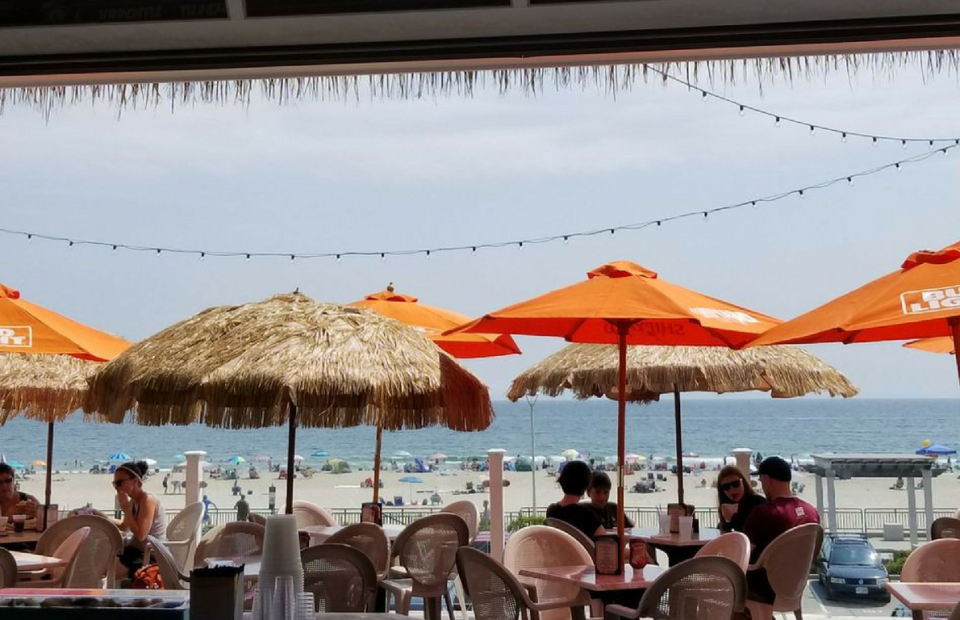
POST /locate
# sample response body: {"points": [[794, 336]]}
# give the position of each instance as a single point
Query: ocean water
{"points": [[711, 427]]}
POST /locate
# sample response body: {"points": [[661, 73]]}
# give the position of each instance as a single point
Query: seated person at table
{"points": [[600, 504], [736, 499], [142, 516], [574, 480], [781, 512], [12, 501]]}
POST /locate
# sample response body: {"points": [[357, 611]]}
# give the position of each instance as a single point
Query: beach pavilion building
{"points": [[845, 466]]}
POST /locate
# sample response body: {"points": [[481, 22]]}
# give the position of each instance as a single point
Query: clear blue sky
{"points": [[372, 175]]}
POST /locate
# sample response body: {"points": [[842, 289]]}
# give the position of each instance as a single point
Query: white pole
{"points": [[912, 508], [496, 503], [742, 455], [832, 501], [194, 477], [533, 451]]}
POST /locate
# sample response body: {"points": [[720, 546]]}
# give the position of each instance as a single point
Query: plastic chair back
{"points": [[495, 592], [577, 535], [258, 519], [70, 551], [341, 578], [705, 587], [787, 561], [734, 546], [466, 510], [427, 550], [236, 539], [99, 553], [308, 514], [369, 539], [539, 546], [182, 534], [173, 579], [945, 527], [936, 561], [8, 569], [956, 613]]}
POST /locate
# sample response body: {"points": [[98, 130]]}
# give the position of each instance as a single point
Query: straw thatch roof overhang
{"points": [[241, 366], [588, 370], [846, 466], [417, 48], [46, 388]]}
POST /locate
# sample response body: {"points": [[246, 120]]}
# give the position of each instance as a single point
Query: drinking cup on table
{"points": [[3, 523], [686, 528], [18, 521], [664, 524]]}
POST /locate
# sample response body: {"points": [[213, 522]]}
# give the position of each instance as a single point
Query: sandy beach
{"points": [[72, 490]]}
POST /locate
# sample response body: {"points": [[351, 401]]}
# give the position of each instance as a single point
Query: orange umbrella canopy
{"points": [[434, 321], [624, 294], [919, 300], [932, 345], [29, 328]]}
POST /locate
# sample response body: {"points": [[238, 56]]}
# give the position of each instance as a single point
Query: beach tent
{"points": [[339, 466], [289, 361], [45, 360], [921, 299], [433, 321], [623, 303], [592, 370]]}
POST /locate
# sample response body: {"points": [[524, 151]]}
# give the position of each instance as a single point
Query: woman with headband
{"points": [[142, 516]]}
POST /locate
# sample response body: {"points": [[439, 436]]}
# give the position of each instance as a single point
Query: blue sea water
{"points": [[711, 427]]}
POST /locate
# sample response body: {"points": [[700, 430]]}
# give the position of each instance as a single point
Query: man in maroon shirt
{"points": [[782, 512]]}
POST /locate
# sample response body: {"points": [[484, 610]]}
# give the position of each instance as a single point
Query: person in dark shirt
{"points": [[574, 480], [736, 499], [599, 494], [781, 512]]}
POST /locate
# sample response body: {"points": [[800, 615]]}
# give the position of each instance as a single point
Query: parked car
{"points": [[849, 566]]}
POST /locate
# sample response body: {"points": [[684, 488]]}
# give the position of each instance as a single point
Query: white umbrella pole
{"points": [[533, 451]]}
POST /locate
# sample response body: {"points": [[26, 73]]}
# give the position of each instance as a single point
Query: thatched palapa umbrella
{"points": [[592, 370], [290, 360]]}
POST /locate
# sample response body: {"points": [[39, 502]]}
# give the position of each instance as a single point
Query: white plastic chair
{"points": [[935, 561], [787, 561], [182, 535], [308, 514], [69, 551], [466, 510], [98, 559], [539, 546], [8, 569], [236, 539], [732, 545], [173, 579]]}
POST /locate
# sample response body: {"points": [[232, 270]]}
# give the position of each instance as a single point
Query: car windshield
{"points": [[853, 555]]}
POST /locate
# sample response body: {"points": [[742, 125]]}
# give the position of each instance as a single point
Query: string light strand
{"points": [[812, 128], [754, 203]]}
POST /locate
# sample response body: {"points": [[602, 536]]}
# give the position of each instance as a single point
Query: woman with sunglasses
{"points": [[736, 498], [142, 516]]}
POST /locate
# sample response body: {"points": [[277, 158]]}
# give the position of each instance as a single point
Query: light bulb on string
{"points": [[753, 203], [520, 244], [338, 259], [903, 144], [897, 166], [776, 122], [849, 180], [875, 142], [383, 257], [158, 251], [70, 244], [427, 253], [742, 110], [114, 248], [613, 231], [703, 95], [566, 240], [800, 194], [473, 250], [29, 238], [813, 130], [843, 137], [293, 257], [203, 255], [247, 258]]}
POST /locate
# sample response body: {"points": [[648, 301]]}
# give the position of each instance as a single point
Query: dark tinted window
{"points": [[853, 555], [75, 12]]}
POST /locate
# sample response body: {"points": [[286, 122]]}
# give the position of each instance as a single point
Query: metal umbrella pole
{"points": [[533, 450]]}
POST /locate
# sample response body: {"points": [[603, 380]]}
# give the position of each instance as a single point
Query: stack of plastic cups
{"points": [[280, 565]]}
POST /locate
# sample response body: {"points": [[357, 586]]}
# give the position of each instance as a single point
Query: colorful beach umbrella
{"points": [[236, 460], [37, 387], [623, 303], [921, 299], [936, 450], [119, 456], [434, 321], [39, 463]]}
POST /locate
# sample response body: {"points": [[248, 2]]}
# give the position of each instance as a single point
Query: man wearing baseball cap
{"points": [[782, 512]]}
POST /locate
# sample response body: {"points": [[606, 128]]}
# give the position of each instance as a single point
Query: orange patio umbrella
{"points": [[921, 299], [623, 303], [434, 321], [933, 345], [28, 328]]}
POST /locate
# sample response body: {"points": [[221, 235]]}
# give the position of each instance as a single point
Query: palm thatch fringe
{"points": [[591, 370], [42, 387], [532, 81], [240, 367]]}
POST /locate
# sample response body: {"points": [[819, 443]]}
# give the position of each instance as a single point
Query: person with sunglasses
{"points": [[142, 516], [12, 501], [736, 499]]}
